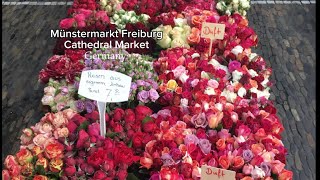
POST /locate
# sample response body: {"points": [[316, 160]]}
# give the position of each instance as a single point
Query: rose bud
{"points": [[108, 165], [70, 170], [99, 175], [70, 161]]}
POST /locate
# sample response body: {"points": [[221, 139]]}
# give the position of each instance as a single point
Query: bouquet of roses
{"points": [[91, 156], [41, 153], [59, 95], [83, 4], [229, 7], [180, 150], [62, 67]]}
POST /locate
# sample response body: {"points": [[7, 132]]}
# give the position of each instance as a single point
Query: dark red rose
{"points": [[97, 158], [108, 165], [137, 139], [69, 171], [149, 126], [186, 170], [142, 112], [99, 175], [83, 137], [201, 133], [70, 161], [78, 119], [129, 116], [118, 114]]}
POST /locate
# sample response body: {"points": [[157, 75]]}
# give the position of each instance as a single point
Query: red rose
{"points": [[108, 165], [54, 150], [149, 126], [69, 171], [142, 112], [118, 114], [129, 116], [169, 173], [186, 170], [201, 133], [99, 175], [122, 174], [71, 127], [94, 115], [83, 137], [137, 139], [97, 158], [124, 154], [94, 130], [256, 161], [70, 161], [67, 23], [78, 119]]}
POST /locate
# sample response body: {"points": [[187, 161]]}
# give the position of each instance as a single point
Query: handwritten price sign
{"points": [[212, 173], [104, 86], [212, 30]]}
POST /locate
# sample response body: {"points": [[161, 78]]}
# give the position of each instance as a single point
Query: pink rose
{"points": [[122, 174], [83, 137], [61, 132], [103, 16], [87, 13], [69, 113], [50, 91], [67, 23], [94, 129], [277, 166], [5, 175], [24, 156], [59, 120], [70, 170], [79, 17], [247, 169], [40, 140], [81, 24], [46, 128]]}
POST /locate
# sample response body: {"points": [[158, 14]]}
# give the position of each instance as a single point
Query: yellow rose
{"points": [[172, 85], [165, 42]]}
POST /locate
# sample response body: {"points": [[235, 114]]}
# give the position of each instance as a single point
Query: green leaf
{"points": [[219, 127], [146, 119], [130, 144], [112, 134], [83, 125], [131, 176], [40, 170]]}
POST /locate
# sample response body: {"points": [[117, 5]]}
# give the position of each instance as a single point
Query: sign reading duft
{"points": [[104, 86], [213, 173], [212, 31]]}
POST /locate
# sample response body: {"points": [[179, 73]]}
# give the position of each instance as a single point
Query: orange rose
{"points": [[40, 177], [238, 162], [146, 162], [191, 66], [179, 90], [253, 83], [214, 119], [183, 148], [163, 87], [285, 175], [36, 150], [257, 148], [197, 20], [27, 169], [221, 144], [54, 150], [24, 156], [56, 165], [43, 162], [224, 162], [194, 36]]}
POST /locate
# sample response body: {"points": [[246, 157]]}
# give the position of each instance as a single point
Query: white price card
{"points": [[104, 85]]}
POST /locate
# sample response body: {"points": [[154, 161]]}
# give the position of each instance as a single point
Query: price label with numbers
{"points": [[212, 30], [105, 86]]}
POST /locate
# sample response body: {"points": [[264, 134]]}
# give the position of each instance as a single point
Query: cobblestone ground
{"points": [[287, 42]]}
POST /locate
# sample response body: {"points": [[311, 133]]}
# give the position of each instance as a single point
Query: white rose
{"points": [[253, 73], [209, 91], [219, 106], [245, 4], [50, 91], [126, 17], [228, 12], [205, 75], [235, 6], [242, 91], [103, 2], [265, 93], [116, 17], [236, 50], [231, 96], [240, 139], [184, 102], [235, 1], [47, 100], [195, 55], [236, 75], [165, 42], [257, 173], [179, 42], [265, 82], [183, 78], [145, 17], [176, 32], [134, 19], [131, 13], [219, 6], [180, 21], [252, 57]]}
